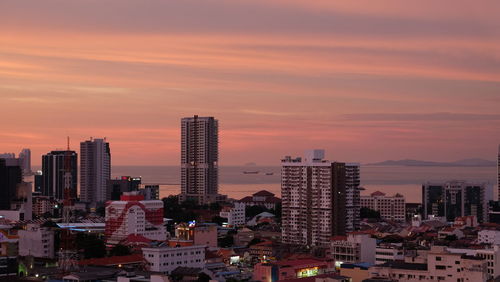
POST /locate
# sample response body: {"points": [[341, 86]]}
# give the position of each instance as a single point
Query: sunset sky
{"points": [[365, 80]]}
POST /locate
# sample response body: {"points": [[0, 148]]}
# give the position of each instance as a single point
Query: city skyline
{"points": [[366, 82]]}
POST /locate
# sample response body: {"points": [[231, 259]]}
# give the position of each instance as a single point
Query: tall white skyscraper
{"points": [[320, 199], [95, 170], [25, 161], [199, 159]]}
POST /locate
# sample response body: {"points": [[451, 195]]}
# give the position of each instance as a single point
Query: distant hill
{"points": [[464, 162]]}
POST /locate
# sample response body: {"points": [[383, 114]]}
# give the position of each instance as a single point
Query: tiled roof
{"points": [[377, 193], [115, 260], [136, 238], [339, 238], [448, 229], [301, 262], [313, 278], [270, 199], [264, 193], [404, 265]]}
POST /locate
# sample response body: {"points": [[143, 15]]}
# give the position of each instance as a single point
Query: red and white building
{"points": [[134, 220]]}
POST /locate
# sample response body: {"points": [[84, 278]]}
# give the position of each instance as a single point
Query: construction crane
{"points": [[68, 258]]}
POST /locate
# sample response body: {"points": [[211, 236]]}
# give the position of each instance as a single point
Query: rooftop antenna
{"points": [[67, 255]]}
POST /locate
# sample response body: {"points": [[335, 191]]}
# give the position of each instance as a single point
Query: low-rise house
{"points": [[489, 236], [36, 241], [356, 271], [465, 221], [354, 248], [291, 269], [441, 265], [166, 259], [390, 208], [262, 198], [491, 255], [448, 232], [389, 252], [200, 234], [235, 214], [133, 260]]}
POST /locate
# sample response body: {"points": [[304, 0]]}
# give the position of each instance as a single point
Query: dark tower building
{"points": [[53, 174], [10, 178], [38, 181], [454, 199], [199, 159], [95, 171], [116, 187]]}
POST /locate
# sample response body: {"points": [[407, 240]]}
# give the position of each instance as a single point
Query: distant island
{"points": [[465, 163]]}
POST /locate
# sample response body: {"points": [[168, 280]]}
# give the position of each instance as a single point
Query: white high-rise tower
{"points": [[25, 161], [320, 199], [95, 170]]}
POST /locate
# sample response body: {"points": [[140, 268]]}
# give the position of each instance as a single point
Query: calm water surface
{"points": [[388, 179]]}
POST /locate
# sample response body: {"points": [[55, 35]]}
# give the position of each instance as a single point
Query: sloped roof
{"points": [[115, 260], [377, 193], [264, 193], [187, 271], [301, 262], [339, 238], [136, 238]]}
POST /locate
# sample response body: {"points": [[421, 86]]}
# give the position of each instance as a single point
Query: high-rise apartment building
{"points": [[95, 170], [315, 204], [352, 196], [199, 159], [25, 161], [456, 198], [390, 207], [53, 169]]}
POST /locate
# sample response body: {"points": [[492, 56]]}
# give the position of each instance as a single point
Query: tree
{"points": [[120, 250], [215, 207], [47, 215], [451, 237], [252, 211], [92, 246], [101, 211], [226, 241], [369, 213], [179, 212], [50, 223], [254, 241], [277, 211], [203, 277]]}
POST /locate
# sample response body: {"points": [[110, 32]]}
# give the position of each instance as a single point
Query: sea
{"points": [[406, 180]]}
